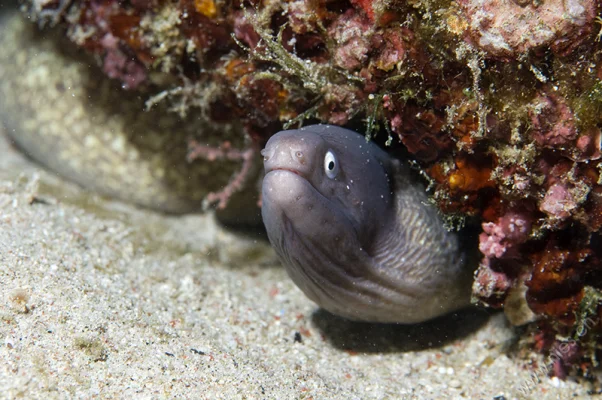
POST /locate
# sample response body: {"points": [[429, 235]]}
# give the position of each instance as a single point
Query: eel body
{"points": [[59, 109], [355, 231]]}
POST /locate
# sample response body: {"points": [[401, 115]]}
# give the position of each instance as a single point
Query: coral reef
{"points": [[498, 104]]}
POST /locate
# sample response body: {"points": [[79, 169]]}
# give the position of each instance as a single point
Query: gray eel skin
{"points": [[355, 231]]}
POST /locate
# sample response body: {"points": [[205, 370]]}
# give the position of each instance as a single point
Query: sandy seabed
{"points": [[100, 299]]}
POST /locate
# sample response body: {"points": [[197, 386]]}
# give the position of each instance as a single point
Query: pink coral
{"points": [[507, 28], [491, 285], [558, 202], [225, 152], [302, 16], [497, 238], [120, 60], [118, 66], [351, 32], [589, 145], [563, 355], [553, 121], [244, 31]]}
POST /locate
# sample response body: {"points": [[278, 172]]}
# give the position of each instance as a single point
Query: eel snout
{"points": [[288, 152]]}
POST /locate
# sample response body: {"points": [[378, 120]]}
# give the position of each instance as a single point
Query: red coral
{"points": [[366, 6], [392, 48], [560, 272], [211, 36], [421, 131], [144, 5]]}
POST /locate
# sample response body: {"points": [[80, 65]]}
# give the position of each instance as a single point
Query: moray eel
{"points": [[355, 231], [61, 111]]}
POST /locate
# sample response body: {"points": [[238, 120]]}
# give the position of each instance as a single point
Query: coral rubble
{"points": [[498, 102]]}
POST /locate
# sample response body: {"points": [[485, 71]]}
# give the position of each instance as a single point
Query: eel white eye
{"points": [[331, 165]]}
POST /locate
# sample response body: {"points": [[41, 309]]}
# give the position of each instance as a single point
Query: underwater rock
{"points": [[508, 28]]}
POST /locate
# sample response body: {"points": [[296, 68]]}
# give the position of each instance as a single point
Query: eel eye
{"points": [[331, 165]]}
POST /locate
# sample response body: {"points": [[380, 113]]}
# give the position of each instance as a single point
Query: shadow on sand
{"points": [[365, 337]]}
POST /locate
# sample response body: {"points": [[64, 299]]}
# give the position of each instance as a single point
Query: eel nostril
{"points": [[265, 153]]}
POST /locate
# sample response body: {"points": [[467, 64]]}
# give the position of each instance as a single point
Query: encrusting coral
{"points": [[498, 104]]}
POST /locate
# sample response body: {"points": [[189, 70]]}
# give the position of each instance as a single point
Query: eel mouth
{"points": [[284, 181], [291, 171], [286, 169]]}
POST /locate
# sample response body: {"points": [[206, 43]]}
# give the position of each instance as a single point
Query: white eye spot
{"points": [[331, 165]]}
